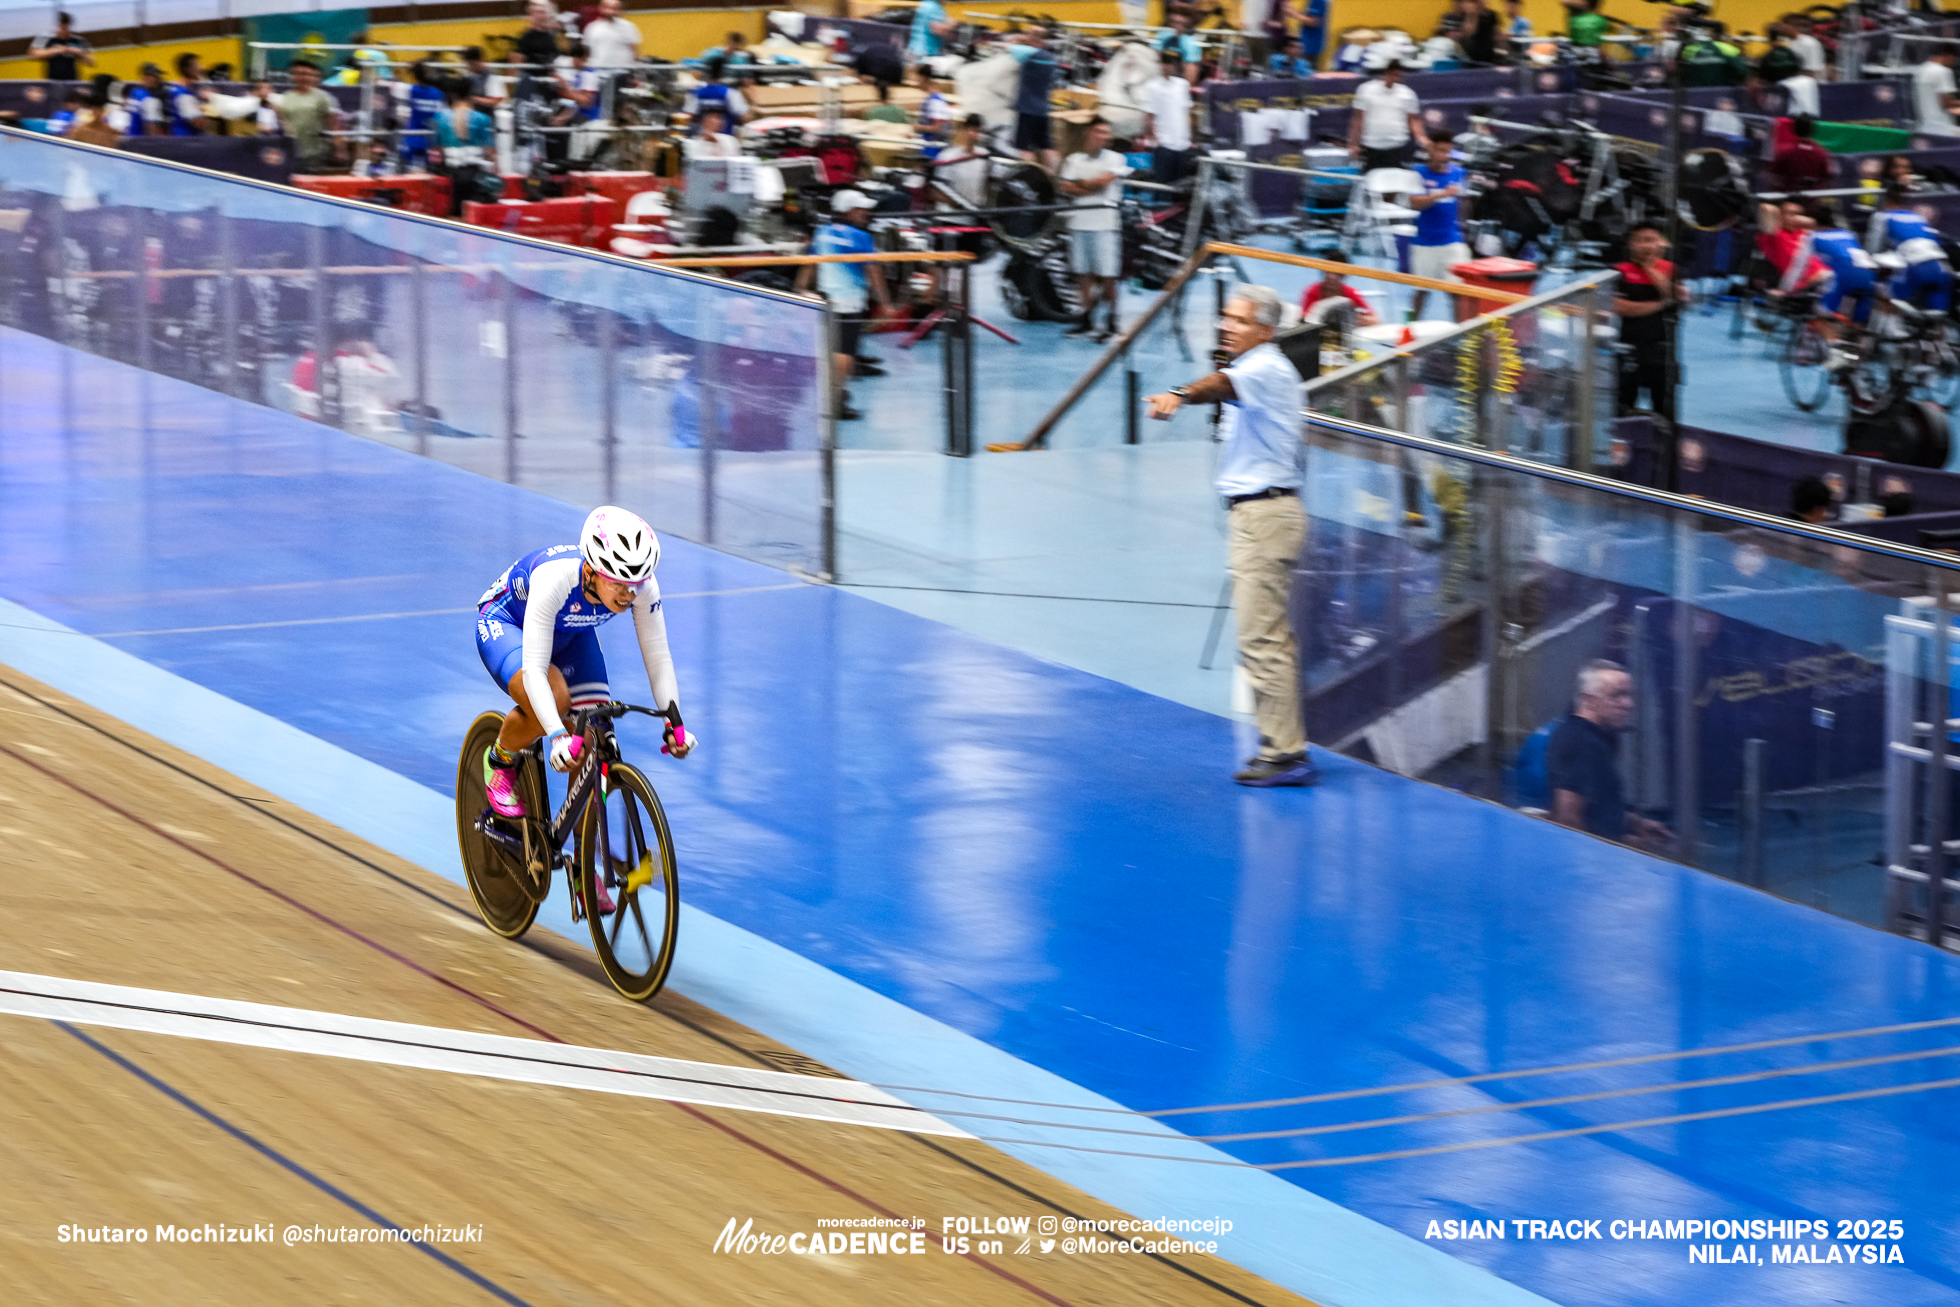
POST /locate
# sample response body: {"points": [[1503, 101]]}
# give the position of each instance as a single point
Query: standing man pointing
{"points": [[1259, 475]]}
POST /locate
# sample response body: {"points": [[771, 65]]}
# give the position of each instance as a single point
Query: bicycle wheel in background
{"points": [[1870, 384], [497, 877], [624, 840], [1802, 364]]}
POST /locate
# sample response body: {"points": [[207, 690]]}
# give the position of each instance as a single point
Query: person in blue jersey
{"points": [[1853, 278], [1927, 280], [715, 93], [149, 103], [425, 101], [1313, 34], [537, 631], [1439, 243], [184, 98], [849, 287]]}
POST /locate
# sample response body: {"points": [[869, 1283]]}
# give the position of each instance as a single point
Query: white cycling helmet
{"points": [[619, 545]]}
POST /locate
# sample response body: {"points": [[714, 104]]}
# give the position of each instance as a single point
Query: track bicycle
{"points": [[610, 833]]}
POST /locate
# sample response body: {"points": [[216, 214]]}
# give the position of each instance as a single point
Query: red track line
{"points": [[539, 1031]]}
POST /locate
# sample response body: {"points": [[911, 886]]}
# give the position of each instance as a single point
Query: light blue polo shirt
{"points": [[1262, 426]]}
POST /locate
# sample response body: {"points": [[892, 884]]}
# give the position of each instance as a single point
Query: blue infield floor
{"points": [[1058, 867]]}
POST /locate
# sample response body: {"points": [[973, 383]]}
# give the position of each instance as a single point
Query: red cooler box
{"points": [[572, 220], [1514, 275]]}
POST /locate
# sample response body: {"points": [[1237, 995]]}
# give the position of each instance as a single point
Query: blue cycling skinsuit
{"points": [[538, 616], [1853, 271], [1927, 281]]}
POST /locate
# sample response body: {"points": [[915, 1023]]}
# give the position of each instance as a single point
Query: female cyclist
{"points": [[537, 631]]}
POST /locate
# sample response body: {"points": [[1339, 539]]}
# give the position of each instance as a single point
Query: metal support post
{"points": [[609, 402], [1687, 721], [707, 368], [1194, 222], [956, 356], [1579, 431], [1497, 634], [325, 378], [1939, 781], [827, 435], [1132, 399], [140, 311], [418, 347], [1749, 815], [228, 328], [507, 305]]}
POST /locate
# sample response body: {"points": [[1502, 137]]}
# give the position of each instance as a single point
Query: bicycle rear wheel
{"points": [[497, 876], [624, 840], [1802, 364]]}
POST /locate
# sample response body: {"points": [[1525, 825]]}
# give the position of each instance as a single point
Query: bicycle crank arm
{"points": [[490, 829]]}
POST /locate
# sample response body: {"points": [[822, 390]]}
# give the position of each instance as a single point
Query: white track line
{"points": [[463, 1052]]}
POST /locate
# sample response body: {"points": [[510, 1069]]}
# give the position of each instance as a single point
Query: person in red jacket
{"points": [[1333, 285], [1797, 162]]}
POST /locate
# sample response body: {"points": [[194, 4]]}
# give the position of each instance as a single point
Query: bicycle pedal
{"points": [[641, 876]]}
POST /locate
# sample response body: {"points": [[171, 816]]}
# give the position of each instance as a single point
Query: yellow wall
{"points": [[675, 34], [124, 61], [665, 33]]}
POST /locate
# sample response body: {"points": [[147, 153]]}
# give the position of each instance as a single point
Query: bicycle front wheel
{"points": [[624, 844]]}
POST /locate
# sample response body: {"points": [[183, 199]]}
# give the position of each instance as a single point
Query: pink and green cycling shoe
{"points": [[500, 783]]}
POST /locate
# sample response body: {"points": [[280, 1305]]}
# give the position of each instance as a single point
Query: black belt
{"points": [[1270, 492]]}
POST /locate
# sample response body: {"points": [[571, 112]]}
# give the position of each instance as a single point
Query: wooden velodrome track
{"points": [[136, 864]]}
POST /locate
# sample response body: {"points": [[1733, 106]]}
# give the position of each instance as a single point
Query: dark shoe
{"points": [[1106, 335], [845, 413], [1080, 331], [1272, 773], [866, 368]]}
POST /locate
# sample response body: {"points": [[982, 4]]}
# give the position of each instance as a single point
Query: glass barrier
{"points": [[1174, 346], [700, 403], [1526, 380], [1751, 698]]}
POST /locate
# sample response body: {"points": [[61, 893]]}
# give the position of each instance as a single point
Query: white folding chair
{"points": [[1375, 215]]}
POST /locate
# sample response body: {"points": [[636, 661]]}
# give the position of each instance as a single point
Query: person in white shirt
{"points": [[1803, 94], [612, 41], [966, 166], [1386, 122], [1259, 475], [1808, 48], [714, 142], [1166, 105], [1095, 253], [1933, 93]]}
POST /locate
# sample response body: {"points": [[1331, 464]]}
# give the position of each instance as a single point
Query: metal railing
{"points": [[1530, 378]]}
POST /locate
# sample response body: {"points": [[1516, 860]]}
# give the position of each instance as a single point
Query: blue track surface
{"points": [[1052, 862]]}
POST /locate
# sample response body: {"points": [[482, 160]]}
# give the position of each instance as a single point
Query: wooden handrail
{"points": [[786, 260], [1377, 274]]}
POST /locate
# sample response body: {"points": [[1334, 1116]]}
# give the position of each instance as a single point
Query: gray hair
{"points": [[1591, 674], [1266, 307]]}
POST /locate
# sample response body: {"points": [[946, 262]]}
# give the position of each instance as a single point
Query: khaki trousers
{"points": [[1265, 537]]}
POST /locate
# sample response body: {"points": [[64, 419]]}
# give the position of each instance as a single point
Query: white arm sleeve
{"points": [[651, 626], [552, 584]]}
